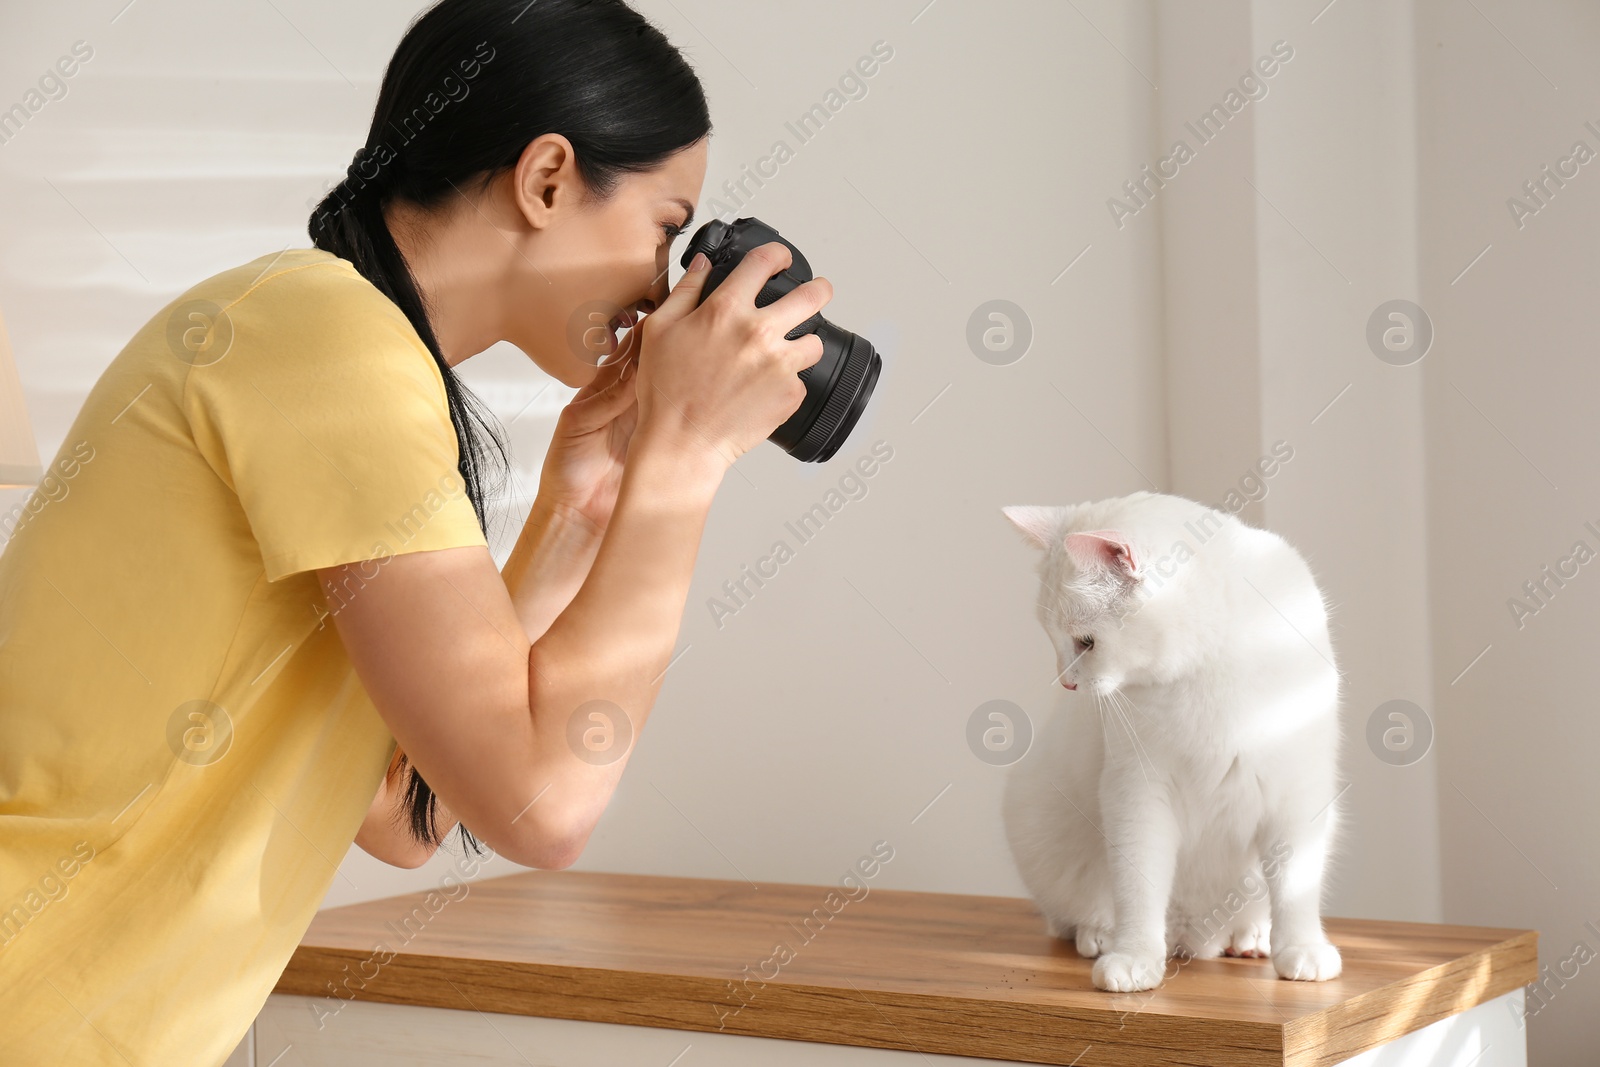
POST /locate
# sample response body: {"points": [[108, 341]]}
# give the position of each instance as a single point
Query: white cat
{"points": [[1191, 807]]}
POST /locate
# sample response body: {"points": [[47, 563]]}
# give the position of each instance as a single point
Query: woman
{"points": [[269, 564]]}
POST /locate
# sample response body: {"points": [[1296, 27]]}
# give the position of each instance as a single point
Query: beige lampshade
{"points": [[19, 456]]}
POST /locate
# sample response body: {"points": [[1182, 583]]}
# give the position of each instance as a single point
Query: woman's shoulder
{"points": [[300, 299], [306, 277], [297, 317]]}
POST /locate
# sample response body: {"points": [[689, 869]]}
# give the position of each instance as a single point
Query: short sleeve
{"points": [[327, 417]]}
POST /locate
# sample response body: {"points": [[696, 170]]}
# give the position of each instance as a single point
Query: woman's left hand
{"points": [[582, 470]]}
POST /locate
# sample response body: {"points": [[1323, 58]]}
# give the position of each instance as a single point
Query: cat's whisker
{"points": [[1100, 706], [1139, 751], [1108, 702], [1133, 708], [1129, 711]]}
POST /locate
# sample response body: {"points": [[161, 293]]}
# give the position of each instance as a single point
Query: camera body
{"points": [[839, 384]]}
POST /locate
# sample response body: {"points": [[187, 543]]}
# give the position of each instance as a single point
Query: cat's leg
{"points": [[1093, 939], [1142, 850], [1294, 842], [1196, 938], [1252, 931], [1090, 889], [1193, 932], [1089, 938], [1078, 907], [1214, 911]]}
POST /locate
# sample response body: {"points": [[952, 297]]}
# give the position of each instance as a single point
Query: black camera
{"points": [[839, 384]]}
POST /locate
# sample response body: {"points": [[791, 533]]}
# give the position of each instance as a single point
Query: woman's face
{"points": [[595, 265]]}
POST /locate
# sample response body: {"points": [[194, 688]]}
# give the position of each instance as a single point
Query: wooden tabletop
{"points": [[930, 972]]}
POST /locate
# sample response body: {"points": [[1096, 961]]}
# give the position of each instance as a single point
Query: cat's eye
{"points": [[1080, 645]]}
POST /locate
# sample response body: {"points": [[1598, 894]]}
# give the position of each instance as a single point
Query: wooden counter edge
{"points": [[914, 1022], [918, 1022], [1390, 1012]]}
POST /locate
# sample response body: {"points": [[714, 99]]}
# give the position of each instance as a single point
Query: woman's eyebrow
{"points": [[688, 208]]}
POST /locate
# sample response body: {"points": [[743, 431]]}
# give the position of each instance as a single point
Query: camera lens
{"points": [[838, 387], [839, 384]]}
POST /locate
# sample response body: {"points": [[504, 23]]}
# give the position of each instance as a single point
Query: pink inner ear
{"points": [[1103, 548]]}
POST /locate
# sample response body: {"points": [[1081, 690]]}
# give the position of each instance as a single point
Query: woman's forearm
{"points": [[546, 568], [608, 651], [549, 563]]}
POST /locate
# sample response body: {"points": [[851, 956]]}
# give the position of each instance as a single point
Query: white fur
{"points": [[1182, 801]]}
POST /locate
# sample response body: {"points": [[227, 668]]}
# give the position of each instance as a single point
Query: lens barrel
{"points": [[839, 384]]}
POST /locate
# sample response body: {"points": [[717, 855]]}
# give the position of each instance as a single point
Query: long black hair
{"points": [[470, 85]]}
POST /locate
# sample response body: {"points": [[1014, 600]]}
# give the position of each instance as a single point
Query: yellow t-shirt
{"points": [[186, 753]]}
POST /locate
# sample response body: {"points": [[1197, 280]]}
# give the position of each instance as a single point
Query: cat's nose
{"points": [[1069, 685]]}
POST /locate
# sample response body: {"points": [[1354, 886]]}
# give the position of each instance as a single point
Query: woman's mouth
{"points": [[625, 319]]}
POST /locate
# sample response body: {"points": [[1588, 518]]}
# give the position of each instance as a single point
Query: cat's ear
{"points": [[1038, 525], [1106, 549]]}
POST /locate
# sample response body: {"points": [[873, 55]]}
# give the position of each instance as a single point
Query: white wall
{"points": [[1511, 402]]}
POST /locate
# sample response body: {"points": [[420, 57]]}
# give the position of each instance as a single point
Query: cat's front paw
{"points": [[1123, 972], [1315, 961]]}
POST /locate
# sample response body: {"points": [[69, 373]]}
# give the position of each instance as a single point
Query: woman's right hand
{"points": [[721, 375]]}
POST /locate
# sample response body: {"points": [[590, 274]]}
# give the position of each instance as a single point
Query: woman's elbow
{"points": [[555, 859], [549, 847], [411, 859]]}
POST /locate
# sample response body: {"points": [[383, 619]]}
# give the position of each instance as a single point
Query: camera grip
{"points": [[776, 286]]}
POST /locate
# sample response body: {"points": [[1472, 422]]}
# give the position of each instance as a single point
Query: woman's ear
{"points": [[546, 179]]}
